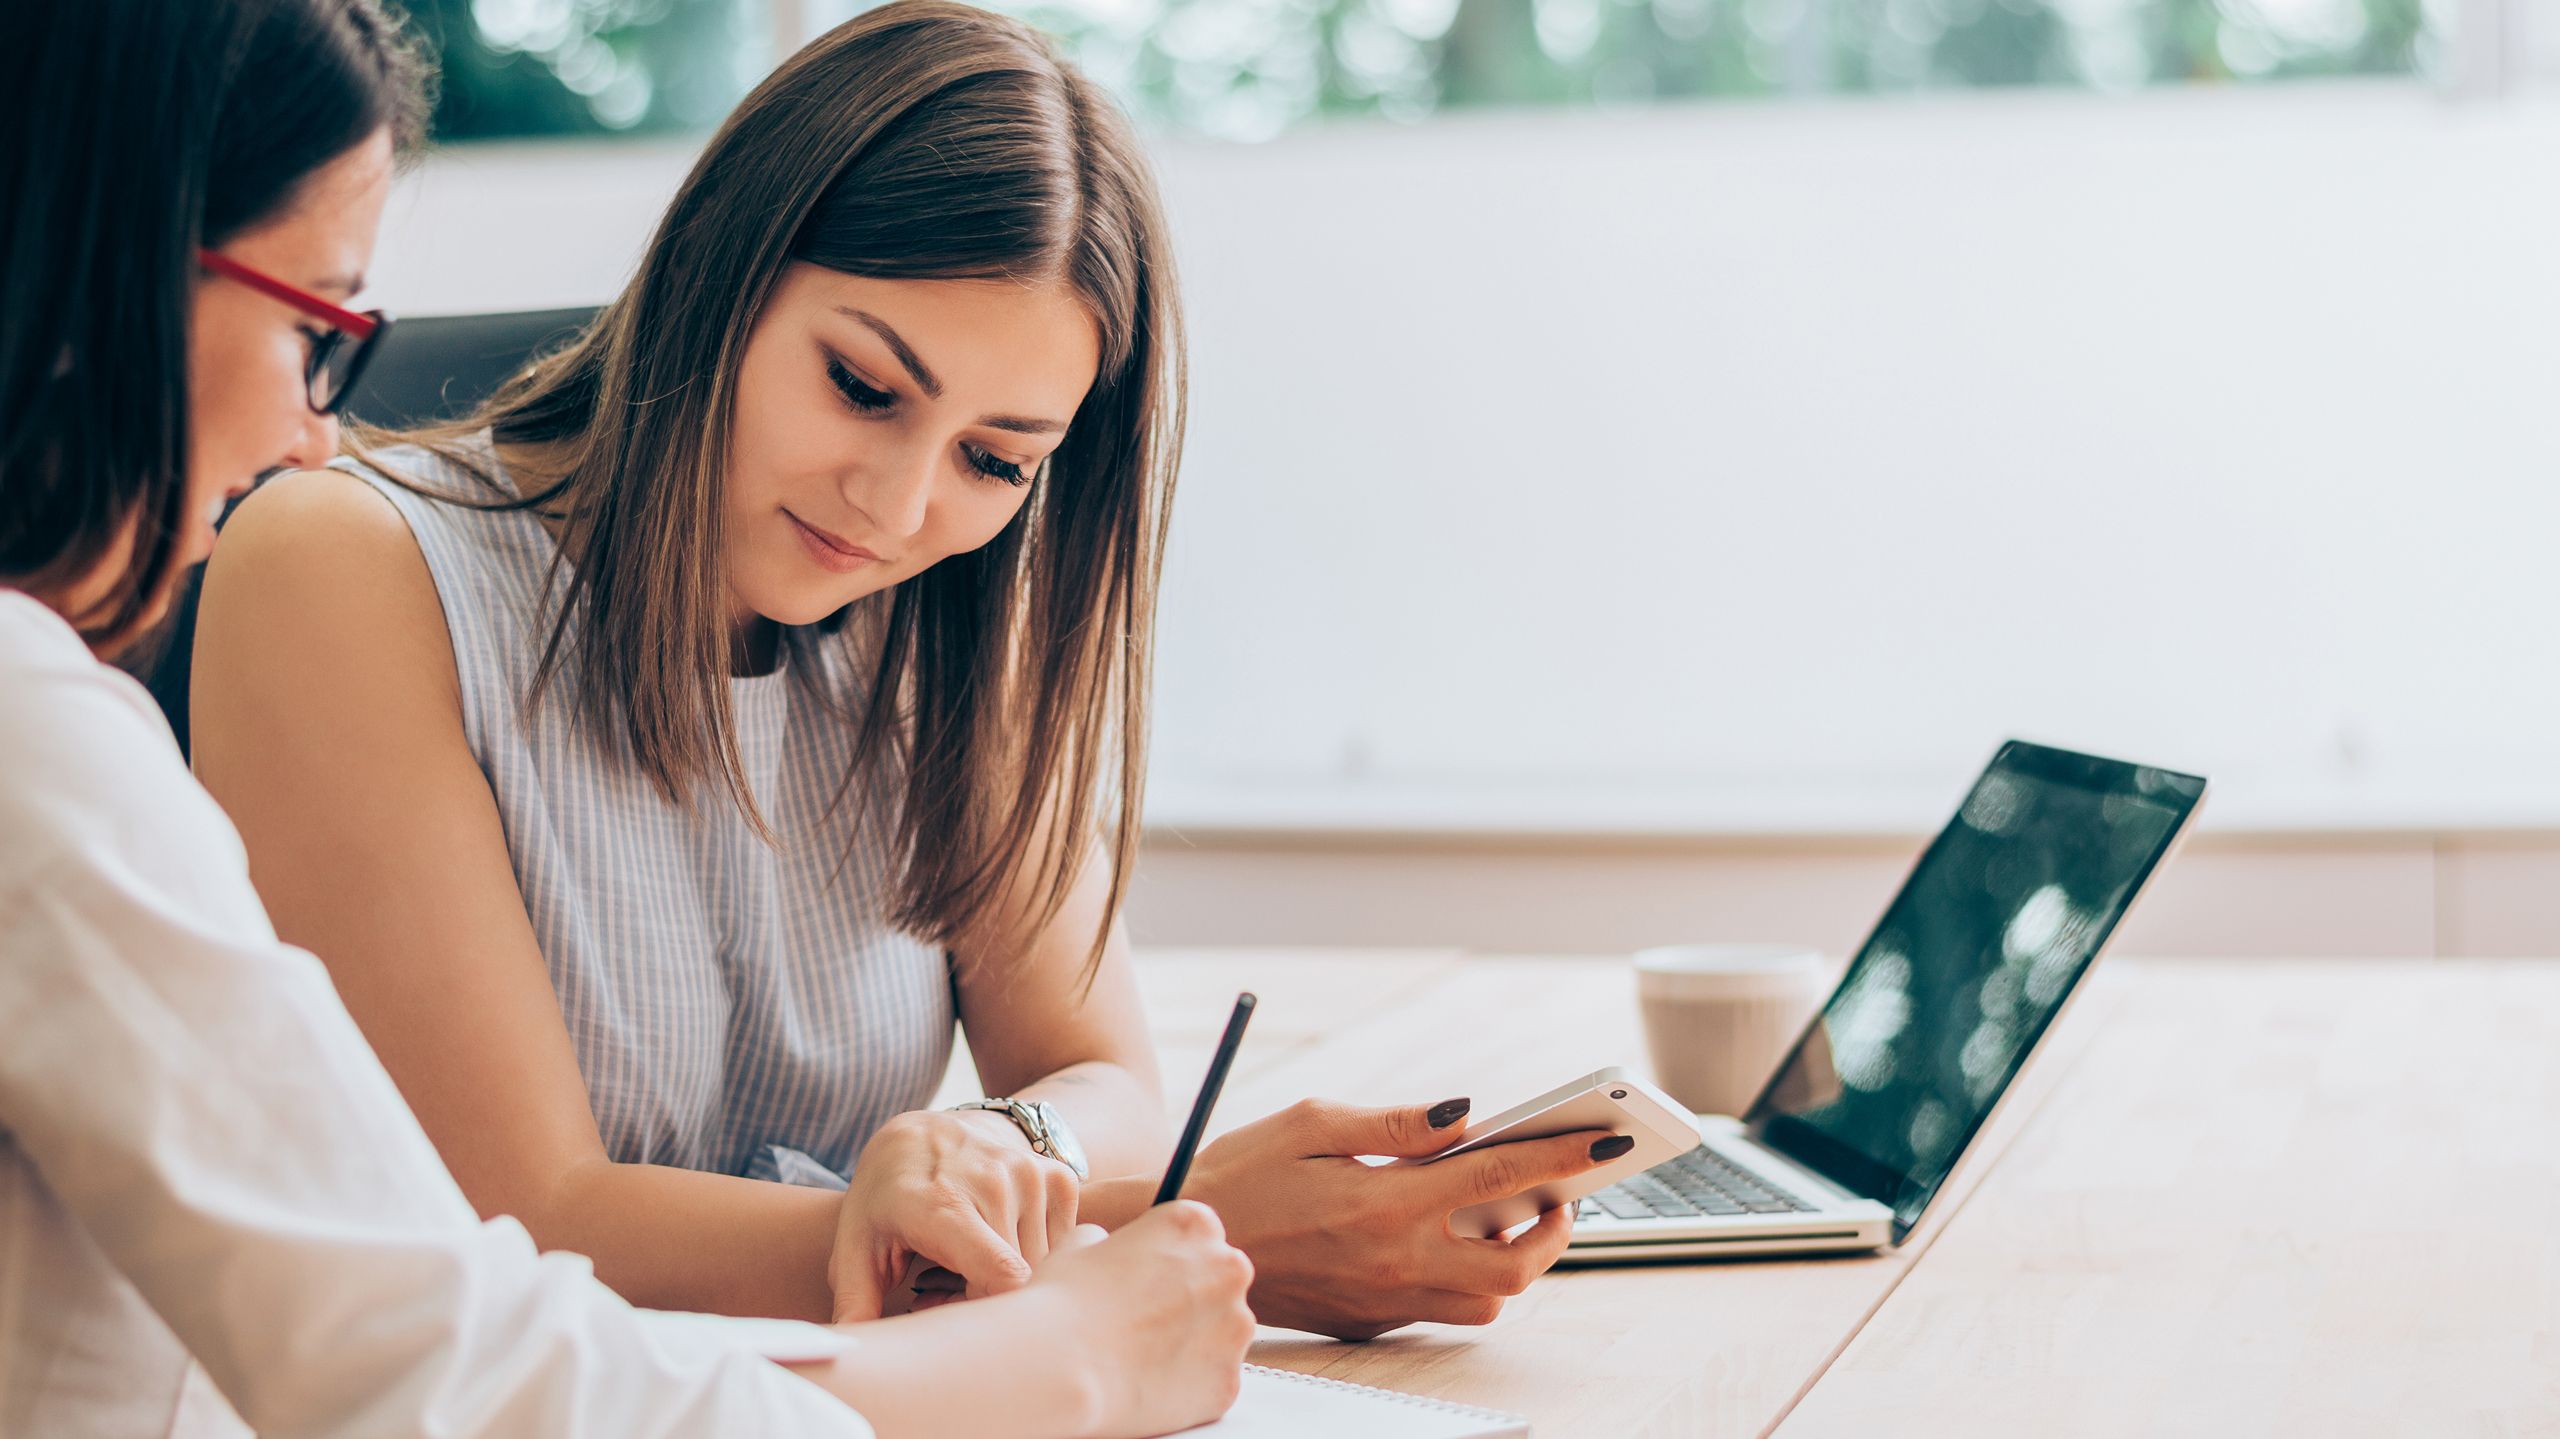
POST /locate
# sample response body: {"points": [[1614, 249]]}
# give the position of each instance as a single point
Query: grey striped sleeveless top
{"points": [[736, 1007]]}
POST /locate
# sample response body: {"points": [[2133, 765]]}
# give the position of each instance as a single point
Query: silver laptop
{"points": [[1935, 1017]]}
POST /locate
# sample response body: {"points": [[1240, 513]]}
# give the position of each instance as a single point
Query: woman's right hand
{"points": [[1157, 1313], [1141, 1333], [956, 1190]]}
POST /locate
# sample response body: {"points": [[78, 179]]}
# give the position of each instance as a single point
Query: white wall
{"points": [[1818, 446]]}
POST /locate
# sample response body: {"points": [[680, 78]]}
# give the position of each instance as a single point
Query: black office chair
{"points": [[426, 370], [436, 368]]}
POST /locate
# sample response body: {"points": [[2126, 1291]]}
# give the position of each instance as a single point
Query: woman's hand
{"points": [[1159, 1312], [961, 1190], [1343, 1248], [1138, 1334]]}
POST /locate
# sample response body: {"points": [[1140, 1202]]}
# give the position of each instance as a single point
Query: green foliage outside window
{"points": [[1248, 69], [515, 68]]}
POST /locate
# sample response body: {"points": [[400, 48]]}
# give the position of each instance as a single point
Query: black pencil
{"points": [[1216, 1080]]}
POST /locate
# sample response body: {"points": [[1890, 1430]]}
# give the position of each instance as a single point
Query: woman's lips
{"points": [[830, 551], [200, 542]]}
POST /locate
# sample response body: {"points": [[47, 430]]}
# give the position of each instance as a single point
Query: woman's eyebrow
{"points": [[932, 387], [897, 346], [1020, 426]]}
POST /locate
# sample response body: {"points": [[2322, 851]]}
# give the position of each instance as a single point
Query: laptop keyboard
{"points": [[1698, 1183]]}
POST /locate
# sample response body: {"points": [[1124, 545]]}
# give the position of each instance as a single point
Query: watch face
{"points": [[1062, 1140]]}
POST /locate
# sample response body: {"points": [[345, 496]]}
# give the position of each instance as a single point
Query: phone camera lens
{"points": [[1617, 1094]]}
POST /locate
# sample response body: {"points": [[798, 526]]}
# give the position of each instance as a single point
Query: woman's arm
{"points": [[193, 1095], [1038, 1033], [961, 1190], [328, 722]]}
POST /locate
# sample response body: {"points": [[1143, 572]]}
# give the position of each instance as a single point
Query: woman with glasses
{"points": [[214, 1206], [341, 339], [666, 755]]}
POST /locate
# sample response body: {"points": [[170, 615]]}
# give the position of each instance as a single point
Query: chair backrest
{"points": [[427, 369], [438, 367]]}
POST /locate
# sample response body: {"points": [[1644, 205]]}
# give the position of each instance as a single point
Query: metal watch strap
{"points": [[1028, 1120]]}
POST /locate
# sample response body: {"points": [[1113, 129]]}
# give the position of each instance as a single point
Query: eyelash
{"points": [[864, 400], [857, 394]]}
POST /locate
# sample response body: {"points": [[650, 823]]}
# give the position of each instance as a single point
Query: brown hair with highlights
{"points": [[921, 140]]}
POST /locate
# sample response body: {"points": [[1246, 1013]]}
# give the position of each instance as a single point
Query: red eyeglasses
{"points": [[338, 356]]}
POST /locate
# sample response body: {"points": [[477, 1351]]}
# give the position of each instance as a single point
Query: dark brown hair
{"points": [[920, 140], [170, 124]]}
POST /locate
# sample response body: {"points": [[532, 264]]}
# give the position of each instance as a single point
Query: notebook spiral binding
{"points": [[1417, 1401]]}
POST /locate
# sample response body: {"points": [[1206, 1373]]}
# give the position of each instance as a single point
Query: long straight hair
{"points": [[169, 125], [921, 140]]}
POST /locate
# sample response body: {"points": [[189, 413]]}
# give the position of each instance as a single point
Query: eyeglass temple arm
{"points": [[354, 324]]}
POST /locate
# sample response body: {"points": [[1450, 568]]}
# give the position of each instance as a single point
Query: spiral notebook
{"points": [[1282, 1405]]}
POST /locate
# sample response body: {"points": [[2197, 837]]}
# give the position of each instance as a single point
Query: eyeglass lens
{"points": [[336, 361]]}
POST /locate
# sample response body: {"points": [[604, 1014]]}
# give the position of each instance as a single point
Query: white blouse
{"points": [[200, 1157]]}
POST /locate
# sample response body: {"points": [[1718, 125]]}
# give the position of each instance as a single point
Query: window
{"points": [[1249, 69], [514, 68]]}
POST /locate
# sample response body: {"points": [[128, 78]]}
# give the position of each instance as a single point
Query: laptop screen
{"points": [[1938, 1011]]}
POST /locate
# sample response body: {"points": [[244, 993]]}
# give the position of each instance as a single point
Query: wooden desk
{"points": [[2273, 1198], [2241, 1198], [1612, 1354]]}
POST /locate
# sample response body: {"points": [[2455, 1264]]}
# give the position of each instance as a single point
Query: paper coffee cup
{"points": [[1719, 1017]]}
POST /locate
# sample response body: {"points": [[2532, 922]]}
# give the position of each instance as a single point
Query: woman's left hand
{"points": [[1341, 1248], [956, 1189]]}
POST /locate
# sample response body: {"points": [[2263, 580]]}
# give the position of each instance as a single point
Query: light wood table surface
{"points": [[2248, 1197], [2273, 1198], [1623, 1353]]}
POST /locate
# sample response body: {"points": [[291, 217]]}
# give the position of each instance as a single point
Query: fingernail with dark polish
{"points": [[1613, 1146], [1448, 1112]]}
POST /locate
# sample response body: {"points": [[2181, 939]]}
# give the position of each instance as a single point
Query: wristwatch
{"points": [[1043, 1125]]}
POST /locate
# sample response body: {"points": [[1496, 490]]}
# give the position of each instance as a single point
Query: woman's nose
{"points": [[896, 494], [316, 445]]}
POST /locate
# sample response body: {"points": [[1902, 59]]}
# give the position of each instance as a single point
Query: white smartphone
{"points": [[1610, 1100]]}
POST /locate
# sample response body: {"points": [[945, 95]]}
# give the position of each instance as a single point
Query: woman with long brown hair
{"points": [[664, 756], [213, 1205]]}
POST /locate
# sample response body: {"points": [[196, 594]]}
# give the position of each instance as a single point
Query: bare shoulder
{"points": [[317, 576], [314, 523]]}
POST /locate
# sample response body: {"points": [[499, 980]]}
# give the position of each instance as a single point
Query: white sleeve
{"points": [[195, 1095]]}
